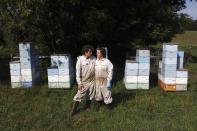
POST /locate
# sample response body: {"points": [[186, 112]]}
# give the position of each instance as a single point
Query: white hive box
{"points": [[131, 79], [15, 68], [143, 72], [182, 81], [26, 72], [27, 78], [169, 54], [182, 73], [15, 78], [168, 60], [131, 68], [144, 66], [143, 53], [144, 86], [170, 47], [132, 64], [181, 87], [143, 79], [169, 73], [64, 61], [53, 78], [169, 80], [53, 74], [66, 78]]}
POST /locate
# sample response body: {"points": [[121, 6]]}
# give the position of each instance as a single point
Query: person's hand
{"points": [[80, 87], [108, 84]]}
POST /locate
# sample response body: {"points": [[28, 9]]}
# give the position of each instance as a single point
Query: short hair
{"points": [[86, 48], [103, 51]]}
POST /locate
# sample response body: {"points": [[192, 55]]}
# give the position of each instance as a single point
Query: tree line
{"points": [[64, 26]]}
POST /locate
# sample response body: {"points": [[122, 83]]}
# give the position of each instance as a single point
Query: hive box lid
{"points": [[16, 61], [53, 67], [60, 55], [131, 61]]}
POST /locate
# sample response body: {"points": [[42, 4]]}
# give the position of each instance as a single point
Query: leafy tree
{"points": [[60, 26]]}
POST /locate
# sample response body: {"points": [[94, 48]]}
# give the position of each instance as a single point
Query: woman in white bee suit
{"points": [[103, 77], [85, 76]]}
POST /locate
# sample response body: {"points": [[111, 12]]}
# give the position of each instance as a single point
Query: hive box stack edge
{"points": [[15, 73], [159, 72], [137, 72], [131, 74], [53, 77], [61, 72], [182, 74], [169, 64], [143, 58], [180, 59], [29, 64], [171, 78]]}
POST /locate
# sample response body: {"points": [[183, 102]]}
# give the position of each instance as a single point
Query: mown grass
{"points": [[186, 41], [188, 37], [40, 108]]}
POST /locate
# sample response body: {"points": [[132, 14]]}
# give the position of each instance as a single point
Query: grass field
{"points": [[40, 108], [188, 37]]}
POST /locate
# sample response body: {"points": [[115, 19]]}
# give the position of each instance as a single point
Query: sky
{"points": [[191, 9]]}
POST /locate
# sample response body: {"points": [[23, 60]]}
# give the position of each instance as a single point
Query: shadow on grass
{"points": [[188, 58], [122, 97], [5, 71], [153, 79]]}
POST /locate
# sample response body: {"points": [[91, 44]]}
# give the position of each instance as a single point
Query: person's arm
{"points": [[110, 73], [78, 72]]}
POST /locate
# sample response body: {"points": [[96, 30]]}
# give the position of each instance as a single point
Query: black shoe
{"points": [[74, 108], [109, 106], [99, 103], [88, 102]]}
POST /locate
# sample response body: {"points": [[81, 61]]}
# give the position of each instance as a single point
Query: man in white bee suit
{"points": [[85, 76], [103, 77]]}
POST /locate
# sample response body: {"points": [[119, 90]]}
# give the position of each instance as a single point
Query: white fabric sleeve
{"points": [[109, 70], [78, 71]]}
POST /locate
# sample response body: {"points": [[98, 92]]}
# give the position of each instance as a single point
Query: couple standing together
{"points": [[93, 78]]}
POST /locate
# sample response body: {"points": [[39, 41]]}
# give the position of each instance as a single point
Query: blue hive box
{"points": [[27, 84], [53, 71], [143, 59]]}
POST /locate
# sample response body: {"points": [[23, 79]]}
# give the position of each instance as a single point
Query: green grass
{"points": [[187, 38], [40, 108], [186, 41]]}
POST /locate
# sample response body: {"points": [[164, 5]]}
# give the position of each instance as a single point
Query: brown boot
{"points": [[74, 108]]}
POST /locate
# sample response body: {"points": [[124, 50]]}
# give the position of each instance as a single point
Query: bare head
{"points": [[101, 53], [87, 50]]}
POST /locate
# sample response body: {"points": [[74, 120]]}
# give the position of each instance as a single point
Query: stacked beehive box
{"points": [[137, 72], [28, 66], [15, 72], [180, 59], [169, 77], [61, 73], [181, 73]]}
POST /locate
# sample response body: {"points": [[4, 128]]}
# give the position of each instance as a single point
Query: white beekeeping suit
{"points": [[85, 75], [103, 73]]}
